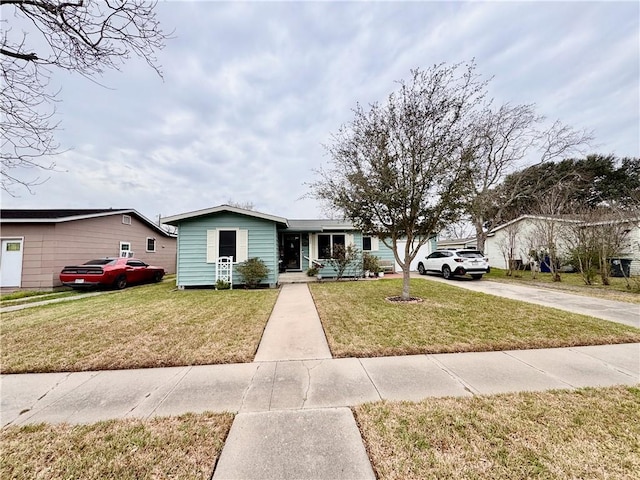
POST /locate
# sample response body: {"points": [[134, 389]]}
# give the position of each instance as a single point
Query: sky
{"points": [[252, 92]]}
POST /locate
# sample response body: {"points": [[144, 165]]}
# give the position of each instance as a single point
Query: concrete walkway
{"points": [[294, 331], [293, 419]]}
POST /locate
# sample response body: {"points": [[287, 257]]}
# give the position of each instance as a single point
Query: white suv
{"points": [[455, 262]]}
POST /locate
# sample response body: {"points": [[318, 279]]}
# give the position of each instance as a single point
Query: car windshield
{"points": [[470, 254], [101, 261]]}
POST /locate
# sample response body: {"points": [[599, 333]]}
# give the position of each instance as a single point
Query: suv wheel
{"points": [[446, 272], [421, 269]]}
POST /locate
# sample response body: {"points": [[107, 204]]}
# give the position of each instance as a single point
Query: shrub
{"points": [[370, 263], [253, 271], [312, 272], [343, 258], [222, 285]]}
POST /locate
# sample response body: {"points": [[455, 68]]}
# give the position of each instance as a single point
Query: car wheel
{"points": [[446, 272], [157, 276], [421, 269], [120, 282], [476, 277]]}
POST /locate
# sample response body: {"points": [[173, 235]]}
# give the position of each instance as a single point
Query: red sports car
{"points": [[110, 272]]}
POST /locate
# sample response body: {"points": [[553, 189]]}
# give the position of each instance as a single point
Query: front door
{"points": [[11, 263], [291, 251]]}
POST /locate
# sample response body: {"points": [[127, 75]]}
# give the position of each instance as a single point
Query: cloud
{"points": [[252, 90]]}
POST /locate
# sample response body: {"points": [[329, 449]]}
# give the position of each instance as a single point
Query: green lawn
{"points": [[359, 322], [146, 326], [589, 433]]}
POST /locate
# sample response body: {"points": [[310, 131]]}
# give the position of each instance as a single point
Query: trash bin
{"points": [[545, 265], [620, 267]]}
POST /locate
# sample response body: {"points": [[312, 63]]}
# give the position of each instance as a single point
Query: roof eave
{"points": [[176, 219]]}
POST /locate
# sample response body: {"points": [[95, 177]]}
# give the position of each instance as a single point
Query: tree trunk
{"points": [[406, 277], [481, 236]]}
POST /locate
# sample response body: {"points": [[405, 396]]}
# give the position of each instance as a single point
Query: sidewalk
{"points": [[293, 419]]}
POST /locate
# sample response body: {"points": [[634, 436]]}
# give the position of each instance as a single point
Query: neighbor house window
{"points": [[151, 244], [366, 243], [13, 246], [126, 219], [327, 242], [125, 249]]}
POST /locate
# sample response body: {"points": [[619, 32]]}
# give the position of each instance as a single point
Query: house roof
{"points": [[457, 241], [567, 219], [68, 215], [535, 217], [176, 219], [320, 225]]}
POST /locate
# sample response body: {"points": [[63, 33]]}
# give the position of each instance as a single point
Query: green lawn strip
{"points": [[147, 326], [587, 433], [359, 322], [184, 447], [573, 283]]}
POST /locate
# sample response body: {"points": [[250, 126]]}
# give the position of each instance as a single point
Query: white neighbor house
{"points": [[515, 239]]}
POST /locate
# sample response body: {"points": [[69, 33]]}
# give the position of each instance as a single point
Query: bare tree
{"points": [[397, 168], [498, 142], [242, 205], [553, 226], [508, 246], [460, 229], [40, 36]]}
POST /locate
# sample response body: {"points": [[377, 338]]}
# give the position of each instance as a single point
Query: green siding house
{"points": [[208, 238]]}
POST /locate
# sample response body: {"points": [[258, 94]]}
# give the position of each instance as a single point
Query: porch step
{"points": [[295, 277]]}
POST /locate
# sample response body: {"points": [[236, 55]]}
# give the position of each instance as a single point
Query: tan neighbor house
{"points": [[37, 244]]}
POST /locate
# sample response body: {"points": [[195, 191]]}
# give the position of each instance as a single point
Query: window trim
{"points": [[154, 244], [129, 253]]}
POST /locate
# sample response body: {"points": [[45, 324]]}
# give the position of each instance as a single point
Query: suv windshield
{"points": [[470, 254]]}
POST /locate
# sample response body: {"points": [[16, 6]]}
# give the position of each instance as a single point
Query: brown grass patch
{"points": [[588, 433], [184, 447]]}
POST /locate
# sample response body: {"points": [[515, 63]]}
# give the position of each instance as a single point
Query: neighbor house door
{"points": [[291, 251], [11, 263]]}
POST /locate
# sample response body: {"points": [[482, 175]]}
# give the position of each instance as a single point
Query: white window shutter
{"points": [[349, 240], [375, 246], [212, 246], [242, 246]]}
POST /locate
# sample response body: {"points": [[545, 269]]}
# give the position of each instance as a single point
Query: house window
{"points": [[327, 242], [227, 244], [13, 246], [151, 244], [126, 219], [366, 244], [125, 249]]}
